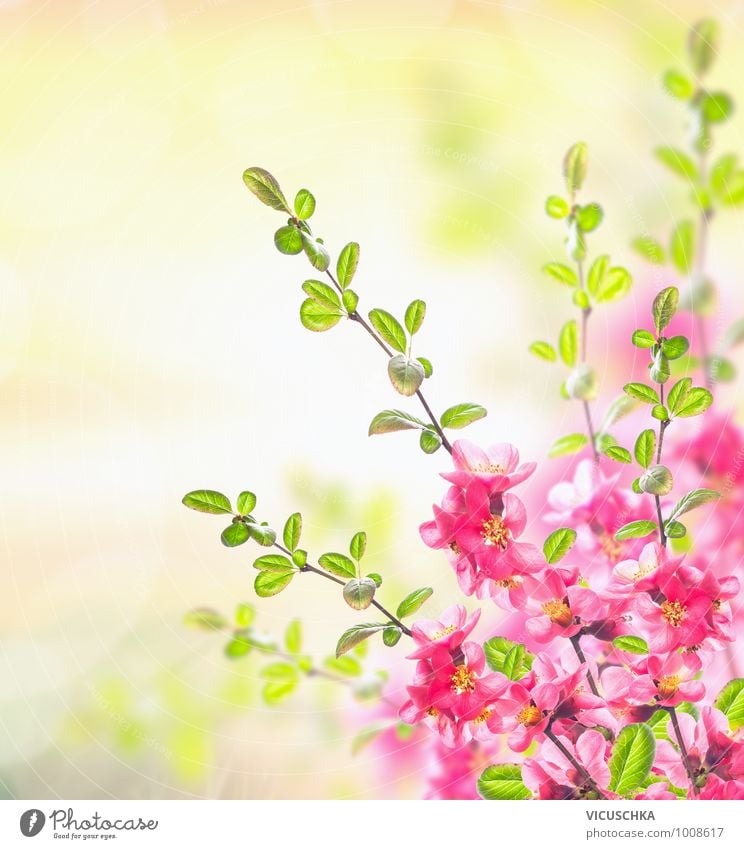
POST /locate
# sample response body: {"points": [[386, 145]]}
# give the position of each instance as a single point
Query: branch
{"points": [[683, 750], [577, 766]]}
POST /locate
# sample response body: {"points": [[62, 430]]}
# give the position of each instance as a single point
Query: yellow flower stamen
{"points": [[450, 629], [668, 686], [529, 715], [489, 469], [558, 611], [463, 680], [482, 717], [495, 532], [673, 612]]}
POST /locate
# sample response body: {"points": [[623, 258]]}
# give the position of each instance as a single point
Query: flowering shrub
{"points": [[624, 617]]}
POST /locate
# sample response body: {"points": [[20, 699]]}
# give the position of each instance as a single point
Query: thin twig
{"points": [[576, 643], [577, 766], [683, 750]]}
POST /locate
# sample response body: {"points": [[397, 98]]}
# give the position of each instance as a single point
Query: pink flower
{"points": [[649, 572], [657, 790], [667, 680], [449, 631], [453, 772], [560, 610], [677, 618], [490, 538], [497, 468], [523, 711], [717, 788], [552, 775]]}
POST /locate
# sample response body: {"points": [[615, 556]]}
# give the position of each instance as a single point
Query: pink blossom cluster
{"points": [[621, 636]]}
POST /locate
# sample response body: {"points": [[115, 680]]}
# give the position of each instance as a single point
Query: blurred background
{"points": [[150, 341]]}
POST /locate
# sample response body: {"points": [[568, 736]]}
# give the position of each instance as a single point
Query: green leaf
{"points": [[581, 299], [675, 347], [656, 481], [558, 544], [544, 350], [642, 392], [730, 701], [513, 662], [634, 645], [678, 393], [272, 563], [304, 204], [568, 343], [318, 317], [645, 447], [596, 274], [721, 173], [682, 246], [244, 614], [618, 453], [359, 592], [262, 534], [413, 601], [347, 263], [279, 671], [562, 273], [315, 251], [389, 329], [570, 444], [678, 161], [615, 284], [618, 409], [716, 106], [350, 300], [357, 634], [323, 294], [643, 339], [649, 249], [337, 564], [292, 530], [589, 217], [427, 366], [574, 166], [238, 646], [632, 758], [265, 187], [271, 582], [405, 375], [660, 371], [498, 648], [695, 402], [235, 534], [675, 530], [503, 781], [693, 499], [275, 692], [702, 44], [636, 530], [358, 545], [430, 441], [678, 85], [205, 619], [207, 501], [556, 207], [288, 240], [461, 415], [299, 558], [246, 502], [389, 421], [664, 307], [376, 578], [415, 316], [391, 636]]}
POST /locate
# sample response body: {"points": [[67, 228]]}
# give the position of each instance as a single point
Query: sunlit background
{"points": [[150, 341]]}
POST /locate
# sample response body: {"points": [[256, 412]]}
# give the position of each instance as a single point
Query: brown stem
{"points": [[308, 567], [683, 750], [577, 766], [359, 319], [576, 643]]}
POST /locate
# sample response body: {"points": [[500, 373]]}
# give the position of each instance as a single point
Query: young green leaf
{"points": [[262, 534], [265, 187], [660, 371], [632, 758], [642, 392], [337, 564], [293, 637], [618, 453], [238, 647], [376, 578], [702, 44], [675, 530], [359, 593], [304, 204], [730, 702], [391, 635], [664, 307], [570, 444], [696, 401], [581, 299], [207, 501], [682, 246], [389, 329], [405, 375], [558, 544], [427, 366], [271, 582], [568, 343], [677, 161], [678, 393], [347, 263], [693, 499], [315, 251], [244, 614], [318, 317], [616, 284], [498, 648], [246, 502], [323, 294], [645, 447], [634, 645], [389, 421], [356, 634], [503, 782], [596, 274], [415, 316], [235, 534], [636, 530], [678, 85], [716, 106], [358, 545], [675, 347], [556, 207], [649, 249], [589, 217], [272, 563], [574, 166], [413, 601], [544, 350], [562, 273], [643, 339], [288, 240], [350, 300], [461, 415], [430, 441], [205, 619], [299, 557], [656, 481], [513, 663], [292, 531]]}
